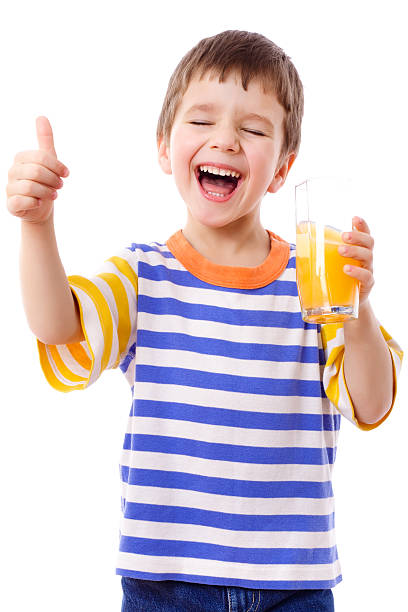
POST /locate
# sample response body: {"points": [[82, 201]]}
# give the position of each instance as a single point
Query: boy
{"points": [[226, 467]]}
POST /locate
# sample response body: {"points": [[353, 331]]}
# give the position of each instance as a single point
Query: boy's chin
{"points": [[214, 221]]}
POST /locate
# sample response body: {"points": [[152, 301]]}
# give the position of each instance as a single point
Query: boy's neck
{"points": [[244, 244]]}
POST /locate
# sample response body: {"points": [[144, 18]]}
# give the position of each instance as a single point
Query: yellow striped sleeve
{"points": [[334, 380], [108, 310]]}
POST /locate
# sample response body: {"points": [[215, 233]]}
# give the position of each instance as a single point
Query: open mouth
{"points": [[217, 184]]}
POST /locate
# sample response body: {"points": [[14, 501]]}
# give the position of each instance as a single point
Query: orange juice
{"points": [[327, 294]]}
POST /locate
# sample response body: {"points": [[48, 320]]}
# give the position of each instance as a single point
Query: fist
{"points": [[34, 178]]}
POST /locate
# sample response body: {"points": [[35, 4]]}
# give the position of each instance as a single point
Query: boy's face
{"points": [[224, 127]]}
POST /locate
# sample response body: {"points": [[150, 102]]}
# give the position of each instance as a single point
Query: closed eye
{"points": [[254, 132]]}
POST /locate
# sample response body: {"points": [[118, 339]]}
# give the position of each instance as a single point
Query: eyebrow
{"points": [[201, 107], [212, 107]]}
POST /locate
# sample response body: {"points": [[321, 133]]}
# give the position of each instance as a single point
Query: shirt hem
{"points": [[251, 584]]}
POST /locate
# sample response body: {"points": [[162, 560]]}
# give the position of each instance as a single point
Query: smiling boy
{"points": [[227, 459], [221, 130]]}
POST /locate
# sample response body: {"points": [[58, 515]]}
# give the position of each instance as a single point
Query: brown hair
{"points": [[254, 56]]}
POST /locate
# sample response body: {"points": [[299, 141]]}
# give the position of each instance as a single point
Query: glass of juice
{"points": [[323, 209]]}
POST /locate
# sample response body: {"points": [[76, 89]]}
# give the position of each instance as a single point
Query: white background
{"points": [[99, 71]]}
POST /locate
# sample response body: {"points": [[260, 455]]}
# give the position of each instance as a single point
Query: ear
{"points": [[164, 155], [281, 174]]}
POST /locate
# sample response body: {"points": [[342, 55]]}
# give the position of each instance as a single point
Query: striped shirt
{"points": [[227, 458]]}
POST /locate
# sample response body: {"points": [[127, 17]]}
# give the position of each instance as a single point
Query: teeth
{"points": [[220, 171]]}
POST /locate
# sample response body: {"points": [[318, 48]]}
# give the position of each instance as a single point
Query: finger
{"points": [[362, 274], [360, 238], [19, 204], [32, 189], [359, 253], [44, 158], [360, 225], [35, 172], [45, 136]]}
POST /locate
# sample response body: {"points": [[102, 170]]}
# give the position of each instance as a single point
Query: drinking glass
{"points": [[323, 210]]}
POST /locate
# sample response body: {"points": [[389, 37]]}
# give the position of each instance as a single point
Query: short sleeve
{"points": [[108, 308], [334, 381]]}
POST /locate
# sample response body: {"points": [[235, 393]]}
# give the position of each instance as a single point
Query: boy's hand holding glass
{"points": [[334, 269], [359, 245]]}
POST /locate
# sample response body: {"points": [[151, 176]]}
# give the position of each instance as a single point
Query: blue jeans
{"points": [[177, 596]]}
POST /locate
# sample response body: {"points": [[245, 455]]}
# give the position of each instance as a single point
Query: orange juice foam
{"points": [[321, 280]]}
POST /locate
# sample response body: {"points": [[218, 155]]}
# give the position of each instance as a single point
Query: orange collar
{"points": [[238, 277]]}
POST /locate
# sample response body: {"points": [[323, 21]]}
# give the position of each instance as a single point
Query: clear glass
{"points": [[323, 212]]}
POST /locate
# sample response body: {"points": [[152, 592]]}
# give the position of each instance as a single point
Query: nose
{"points": [[225, 139]]}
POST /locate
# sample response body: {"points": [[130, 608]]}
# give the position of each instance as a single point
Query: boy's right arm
{"points": [[51, 309]]}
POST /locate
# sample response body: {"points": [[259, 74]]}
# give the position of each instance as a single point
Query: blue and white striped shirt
{"points": [[227, 458]]}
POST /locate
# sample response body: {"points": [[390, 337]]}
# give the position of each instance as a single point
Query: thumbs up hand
{"points": [[34, 178]]}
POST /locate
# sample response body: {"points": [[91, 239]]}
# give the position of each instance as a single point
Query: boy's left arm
{"points": [[368, 368]]}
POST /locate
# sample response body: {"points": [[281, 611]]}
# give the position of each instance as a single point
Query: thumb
{"points": [[44, 135]]}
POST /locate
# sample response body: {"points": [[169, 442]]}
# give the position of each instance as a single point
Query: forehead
{"points": [[230, 95]]}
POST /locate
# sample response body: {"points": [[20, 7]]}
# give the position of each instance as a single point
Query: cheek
{"points": [[265, 164], [183, 149], [181, 168]]}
